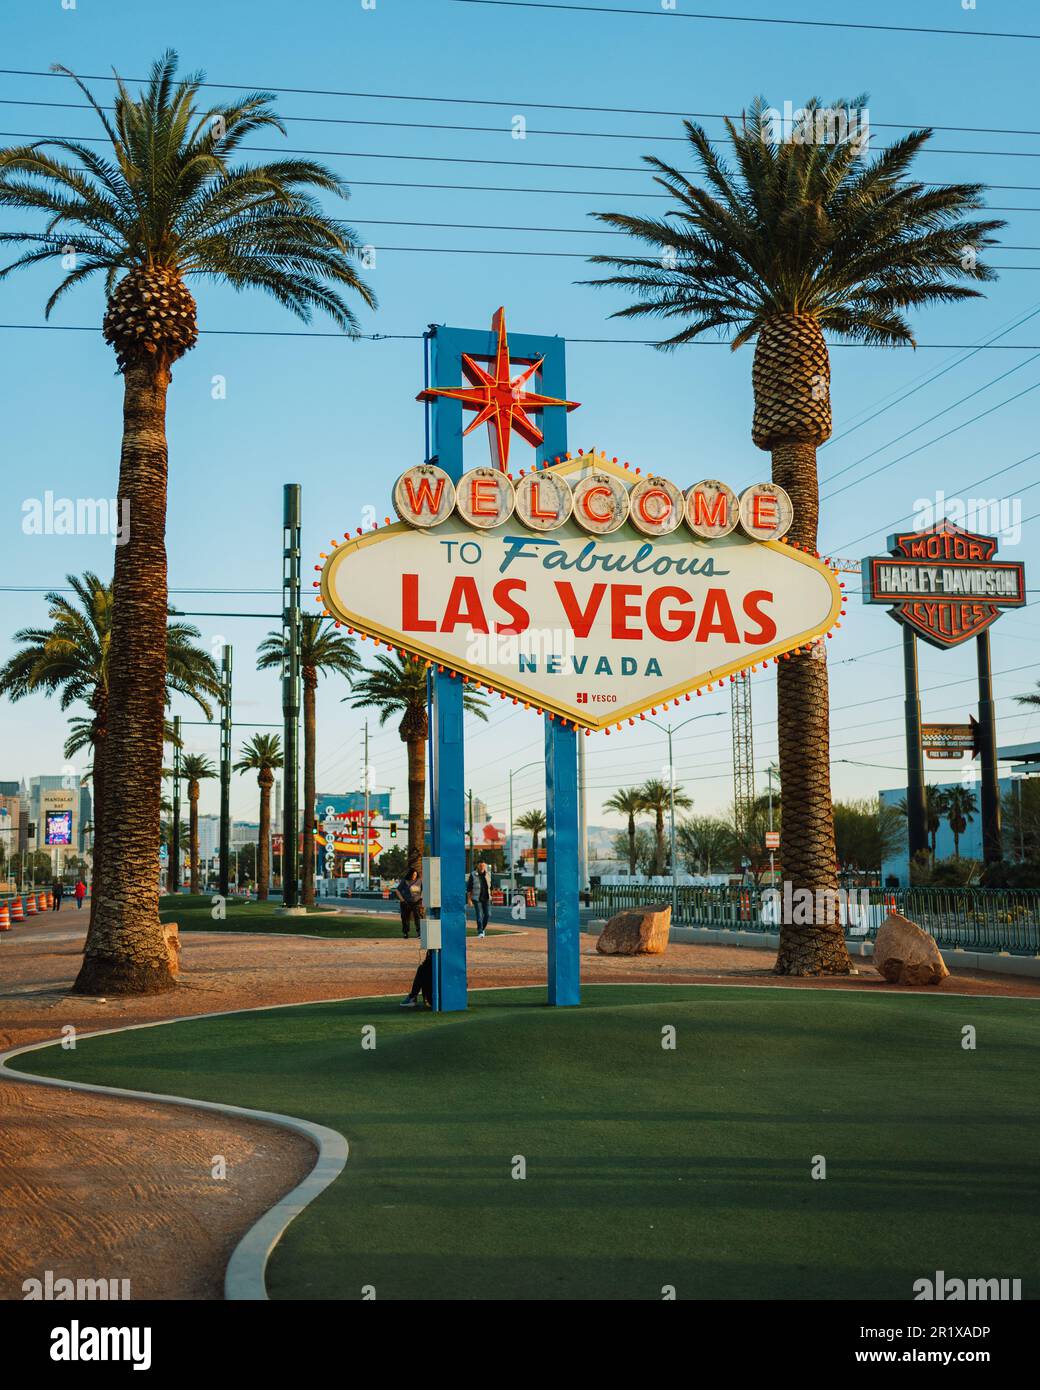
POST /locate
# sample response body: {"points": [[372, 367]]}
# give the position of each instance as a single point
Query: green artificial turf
{"points": [[196, 914], [646, 1168]]}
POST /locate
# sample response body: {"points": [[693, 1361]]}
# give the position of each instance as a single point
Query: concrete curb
{"points": [[244, 1277], [995, 962]]}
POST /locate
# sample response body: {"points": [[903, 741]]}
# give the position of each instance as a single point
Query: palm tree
{"points": [[322, 649], [534, 821], [958, 805], [167, 203], [705, 840], [73, 656], [798, 237], [628, 801], [397, 685], [658, 797], [195, 769], [262, 755], [932, 812]]}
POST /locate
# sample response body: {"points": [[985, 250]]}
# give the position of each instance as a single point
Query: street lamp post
{"points": [[512, 854], [669, 731]]}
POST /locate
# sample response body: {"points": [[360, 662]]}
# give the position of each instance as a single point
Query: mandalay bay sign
{"points": [[583, 589]]}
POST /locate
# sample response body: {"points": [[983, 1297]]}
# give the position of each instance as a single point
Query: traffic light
{"points": [[393, 830]]}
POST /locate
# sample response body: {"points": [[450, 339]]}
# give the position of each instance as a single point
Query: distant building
{"points": [[243, 832], [341, 802], [897, 866], [209, 836]]}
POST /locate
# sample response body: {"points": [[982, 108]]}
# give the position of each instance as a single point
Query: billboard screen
{"points": [[58, 828]]}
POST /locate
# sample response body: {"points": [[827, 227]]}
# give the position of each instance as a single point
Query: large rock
{"points": [[639, 931], [172, 940], [905, 954]]}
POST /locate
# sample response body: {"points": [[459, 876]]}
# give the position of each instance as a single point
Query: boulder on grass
{"points": [[905, 954], [172, 940], [638, 931]]}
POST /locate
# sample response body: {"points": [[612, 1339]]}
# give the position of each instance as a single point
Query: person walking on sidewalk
{"points": [[478, 893], [58, 891], [79, 892]]}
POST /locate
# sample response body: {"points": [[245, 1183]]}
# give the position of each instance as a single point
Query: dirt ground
{"points": [[95, 1187]]}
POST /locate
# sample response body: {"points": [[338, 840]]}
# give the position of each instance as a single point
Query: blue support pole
{"points": [[561, 844], [449, 802]]}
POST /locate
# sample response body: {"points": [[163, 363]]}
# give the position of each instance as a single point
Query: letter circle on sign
{"points": [[712, 509], [766, 512], [600, 503], [424, 496], [657, 506], [543, 501], [484, 498]]}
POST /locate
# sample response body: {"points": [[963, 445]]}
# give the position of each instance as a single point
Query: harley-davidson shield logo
{"points": [[944, 582]]}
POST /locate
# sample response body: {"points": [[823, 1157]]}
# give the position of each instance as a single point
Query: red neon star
{"points": [[500, 401]]}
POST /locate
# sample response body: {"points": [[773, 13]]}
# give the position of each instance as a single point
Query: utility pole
{"points": [[175, 838], [364, 831], [225, 772], [992, 847], [772, 866], [291, 636], [916, 805]]}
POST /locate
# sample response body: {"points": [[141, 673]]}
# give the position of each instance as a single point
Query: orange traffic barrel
{"points": [[42, 901], [5, 917], [17, 915], [48, 901], [30, 905]]}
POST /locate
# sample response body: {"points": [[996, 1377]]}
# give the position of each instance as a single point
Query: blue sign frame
{"points": [[445, 425]]}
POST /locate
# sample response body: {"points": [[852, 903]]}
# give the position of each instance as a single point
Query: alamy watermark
{"points": [[817, 125], [76, 516], [991, 516], [803, 907]]}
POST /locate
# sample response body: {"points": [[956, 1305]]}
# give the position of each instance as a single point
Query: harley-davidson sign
{"points": [[594, 596], [944, 582]]}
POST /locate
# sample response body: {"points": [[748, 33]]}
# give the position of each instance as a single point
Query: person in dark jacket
{"points": [[409, 894], [478, 894], [58, 891]]}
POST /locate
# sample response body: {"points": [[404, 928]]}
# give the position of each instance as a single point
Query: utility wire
{"points": [[748, 19]]}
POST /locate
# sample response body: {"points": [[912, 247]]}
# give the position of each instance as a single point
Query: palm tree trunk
{"points": [[416, 800], [263, 856], [126, 953], [659, 849], [98, 778], [810, 860], [193, 833], [631, 846], [310, 741]]}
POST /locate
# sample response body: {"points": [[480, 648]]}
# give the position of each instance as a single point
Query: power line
{"points": [[748, 19], [965, 487], [502, 102], [945, 411], [417, 337], [928, 443], [512, 164], [486, 130]]}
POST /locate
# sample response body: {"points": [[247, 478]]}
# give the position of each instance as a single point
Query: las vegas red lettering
{"points": [[667, 613]]}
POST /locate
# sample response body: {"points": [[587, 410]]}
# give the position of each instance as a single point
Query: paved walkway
{"points": [[93, 1187]]}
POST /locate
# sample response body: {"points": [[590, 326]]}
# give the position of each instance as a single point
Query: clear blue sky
{"points": [[340, 417]]}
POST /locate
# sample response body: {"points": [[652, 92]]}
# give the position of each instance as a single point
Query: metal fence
{"points": [[975, 919]]}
